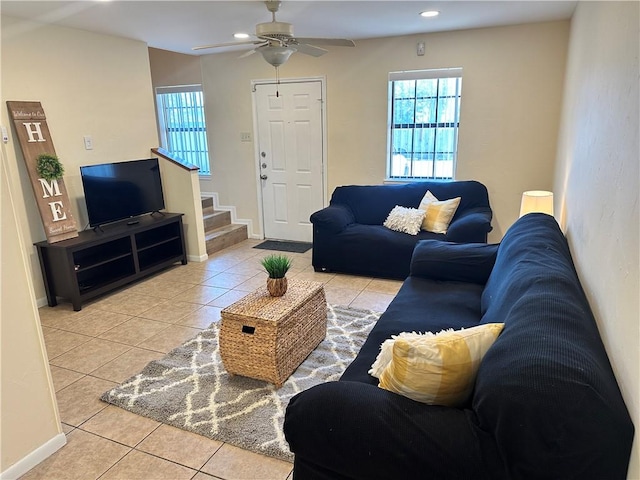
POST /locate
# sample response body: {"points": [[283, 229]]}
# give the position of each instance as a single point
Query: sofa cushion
{"points": [[458, 262], [370, 204], [547, 383], [350, 431], [405, 220], [357, 248], [438, 369], [421, 305]]}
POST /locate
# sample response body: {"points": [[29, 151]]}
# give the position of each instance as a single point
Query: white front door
{"points": [[290, 155]]}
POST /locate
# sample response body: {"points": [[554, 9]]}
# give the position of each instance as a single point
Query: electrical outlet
{"points": [[420, 49], [88, 142]]}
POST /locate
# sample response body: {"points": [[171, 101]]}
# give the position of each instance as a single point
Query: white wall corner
{"points": [[234, 217], [34, 458]]}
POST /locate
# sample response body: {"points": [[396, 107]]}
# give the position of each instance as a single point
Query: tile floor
{"points": [[115, 336]]}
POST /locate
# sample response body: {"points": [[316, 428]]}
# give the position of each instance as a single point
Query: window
{"points": [[183, 130], [424, 114]]}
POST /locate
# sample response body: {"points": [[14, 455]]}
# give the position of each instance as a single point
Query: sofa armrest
{"points": [[333, 218], [359, 431], [459, 262], [471, 225]]}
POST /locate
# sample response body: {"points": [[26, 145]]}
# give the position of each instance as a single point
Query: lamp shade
{"points": [[536, 201]]}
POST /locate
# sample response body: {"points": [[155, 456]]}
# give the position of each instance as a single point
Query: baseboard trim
{"points": [[34, 458], [197, 258], [232, 210], [42, 302]]}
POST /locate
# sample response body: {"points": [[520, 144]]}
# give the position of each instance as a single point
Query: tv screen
{"points": [[116, 191]]}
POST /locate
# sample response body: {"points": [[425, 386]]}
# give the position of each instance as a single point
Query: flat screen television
{"points": [[122, 190]]}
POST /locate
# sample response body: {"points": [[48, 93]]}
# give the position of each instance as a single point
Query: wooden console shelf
{"points": [[99, 261]]}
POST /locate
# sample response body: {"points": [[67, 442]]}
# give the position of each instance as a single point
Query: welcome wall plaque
{"points": [[33, 134]]}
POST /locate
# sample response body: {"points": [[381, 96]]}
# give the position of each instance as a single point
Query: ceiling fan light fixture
{"points": [[276, 56], [241, 36], [429, 13]]}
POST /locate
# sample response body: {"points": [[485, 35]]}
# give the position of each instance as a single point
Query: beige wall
{"points": [[182, 194], [512, 93], [101, 87], [88, 84], [597, 180], [169, 69], [28, 412]]}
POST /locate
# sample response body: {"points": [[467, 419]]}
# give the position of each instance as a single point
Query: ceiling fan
{"points": [[276, 41]]}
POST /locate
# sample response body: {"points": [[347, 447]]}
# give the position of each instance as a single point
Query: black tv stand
{"points": [[95, 262]]}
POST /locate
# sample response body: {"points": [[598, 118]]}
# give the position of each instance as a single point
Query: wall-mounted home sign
{"points": [[31, 128]]}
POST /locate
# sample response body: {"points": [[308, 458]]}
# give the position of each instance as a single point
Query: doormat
{"points": [[293, 247]]}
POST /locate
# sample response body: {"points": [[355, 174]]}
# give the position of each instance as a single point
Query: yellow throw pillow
{"points": [[427, 200], [438, 214], [438, 369]]}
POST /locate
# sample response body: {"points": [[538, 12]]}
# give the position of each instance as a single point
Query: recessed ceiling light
{"points": [[241, 35], [430, 13]]}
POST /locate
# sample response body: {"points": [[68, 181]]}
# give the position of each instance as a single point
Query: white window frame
{"points": [[396, 158], [191, 148]]}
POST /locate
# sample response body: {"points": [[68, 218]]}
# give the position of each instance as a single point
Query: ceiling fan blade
{"points": [[308, 49], [337, 42], [229, 44], [250, 52]]}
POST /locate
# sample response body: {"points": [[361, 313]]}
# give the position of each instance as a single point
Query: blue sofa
{"points": [[545, 403], [349, 236]]}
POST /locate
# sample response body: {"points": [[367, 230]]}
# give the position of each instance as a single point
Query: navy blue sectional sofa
{"points": [[349, 236], [545, 403]]}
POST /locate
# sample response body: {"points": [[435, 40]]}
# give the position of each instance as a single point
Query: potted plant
{"points": [[276, 266], [49, 167]]}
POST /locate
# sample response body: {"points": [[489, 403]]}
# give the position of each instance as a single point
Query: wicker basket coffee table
{"points": [[267, 338]]}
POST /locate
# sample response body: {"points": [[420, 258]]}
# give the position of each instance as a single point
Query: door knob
{"points": [[263, 177]]}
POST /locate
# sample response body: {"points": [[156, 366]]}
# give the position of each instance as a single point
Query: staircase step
{"points": [[208, 211], [223, 237], [213, 220], [206, 202]]}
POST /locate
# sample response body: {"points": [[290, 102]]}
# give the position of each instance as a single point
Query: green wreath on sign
{"points": [[49, 167]]}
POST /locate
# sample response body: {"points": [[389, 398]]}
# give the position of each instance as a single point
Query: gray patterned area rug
{"points": [[190, 389]]}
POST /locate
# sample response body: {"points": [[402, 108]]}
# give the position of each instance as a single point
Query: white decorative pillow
{"points": [[436, 369], [438, 214], [406, 220]]}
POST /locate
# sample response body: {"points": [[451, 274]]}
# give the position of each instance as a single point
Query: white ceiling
{"points": [[180, 25]]}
